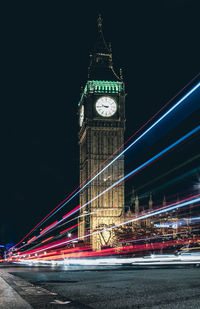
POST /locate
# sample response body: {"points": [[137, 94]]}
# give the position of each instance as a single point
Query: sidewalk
{"points": [[9, 299]]}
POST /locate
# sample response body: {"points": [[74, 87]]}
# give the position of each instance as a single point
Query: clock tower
{"points": [[102, 125]]}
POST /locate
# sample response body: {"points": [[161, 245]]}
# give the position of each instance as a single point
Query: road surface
{"points": [[111, 287]]}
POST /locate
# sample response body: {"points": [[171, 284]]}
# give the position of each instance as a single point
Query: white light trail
{"points": [[148, 215], [132, 144]]}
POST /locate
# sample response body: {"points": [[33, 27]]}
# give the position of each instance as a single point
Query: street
{"points": [[107, 287]]}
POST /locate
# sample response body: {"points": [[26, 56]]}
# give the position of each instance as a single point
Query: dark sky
{"points": [[45, 58]]}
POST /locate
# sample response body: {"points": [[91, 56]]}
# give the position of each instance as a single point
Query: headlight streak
{"points": [[183, 203], [75, 192], [131, 145], [166, 184], [53, 237], [59, 226], [142, 166], [36, 246], [82, 252], [30, 240], [45, 240], [184, 258], [169, 172], [51, 227], [179, 210], [48, 228], [179, 222], [132, 173], [59, 236], [152, 238], [69, 228]]}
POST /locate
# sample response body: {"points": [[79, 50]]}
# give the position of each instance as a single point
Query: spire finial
{"points": [[121, 73], [99, 22]]}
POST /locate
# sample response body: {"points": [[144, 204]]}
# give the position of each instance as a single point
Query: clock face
{"points": [[81, 117], [106, 106]]}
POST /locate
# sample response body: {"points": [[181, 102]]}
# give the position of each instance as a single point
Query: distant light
{"points": [[197, 185]]}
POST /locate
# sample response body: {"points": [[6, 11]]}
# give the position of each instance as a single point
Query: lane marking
{"points": [[59, 302]]}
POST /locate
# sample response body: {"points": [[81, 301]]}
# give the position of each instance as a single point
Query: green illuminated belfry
{"points": [[102, 125], [102, 86]]}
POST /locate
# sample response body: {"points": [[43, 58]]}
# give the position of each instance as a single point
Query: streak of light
{"points": [[170, 182], [179, 209], [75, 192], [70, 228], [186, 136], [168, 172], [114, 251], [51, 227], [132, 144], [178, 223], [56, 227], [183, 203], [142, 166], [153, 237], [156, 259], [45, 240], [89, 214], [57, 223], [30, 240], [48, 227], [71, 212]]}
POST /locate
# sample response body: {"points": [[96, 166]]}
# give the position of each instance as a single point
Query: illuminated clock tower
{"points": [[102, 125]]}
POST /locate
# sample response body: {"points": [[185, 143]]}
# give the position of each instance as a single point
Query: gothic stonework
{"points": [[102, 125]]}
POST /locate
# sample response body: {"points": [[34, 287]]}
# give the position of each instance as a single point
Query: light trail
{"points": [[75, 192], [47, 239], [178, 223], [134, 171], [50, 228], [153, 237], [169, 172], [183, 203], [144, 164], [70, 228], [109, 251], [170, 182], [181, 258], [30, 240], [132, 144], [57, 227], [141, 167]]}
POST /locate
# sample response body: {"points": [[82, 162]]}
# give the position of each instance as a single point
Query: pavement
{"points": [[87, 288], [9, 298], [16, 293]]}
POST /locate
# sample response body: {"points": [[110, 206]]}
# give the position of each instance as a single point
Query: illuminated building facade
{"points": [[102, 125]]}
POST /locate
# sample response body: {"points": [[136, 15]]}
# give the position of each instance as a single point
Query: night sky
{"points": [[46, 49]]}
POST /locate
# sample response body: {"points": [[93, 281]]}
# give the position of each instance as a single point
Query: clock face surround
{"points": [[106, 106]]}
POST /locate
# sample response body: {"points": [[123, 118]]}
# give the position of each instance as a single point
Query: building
{"points": [[102, 126]]}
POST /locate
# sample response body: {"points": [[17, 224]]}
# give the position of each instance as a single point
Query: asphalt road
{"points": [[45, 287]]}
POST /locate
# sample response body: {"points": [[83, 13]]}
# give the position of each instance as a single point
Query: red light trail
{"points": [[67, 198]]}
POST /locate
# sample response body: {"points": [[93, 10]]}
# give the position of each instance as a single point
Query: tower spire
{"points": [[101, 45], [101, 65], [99, 22]]}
